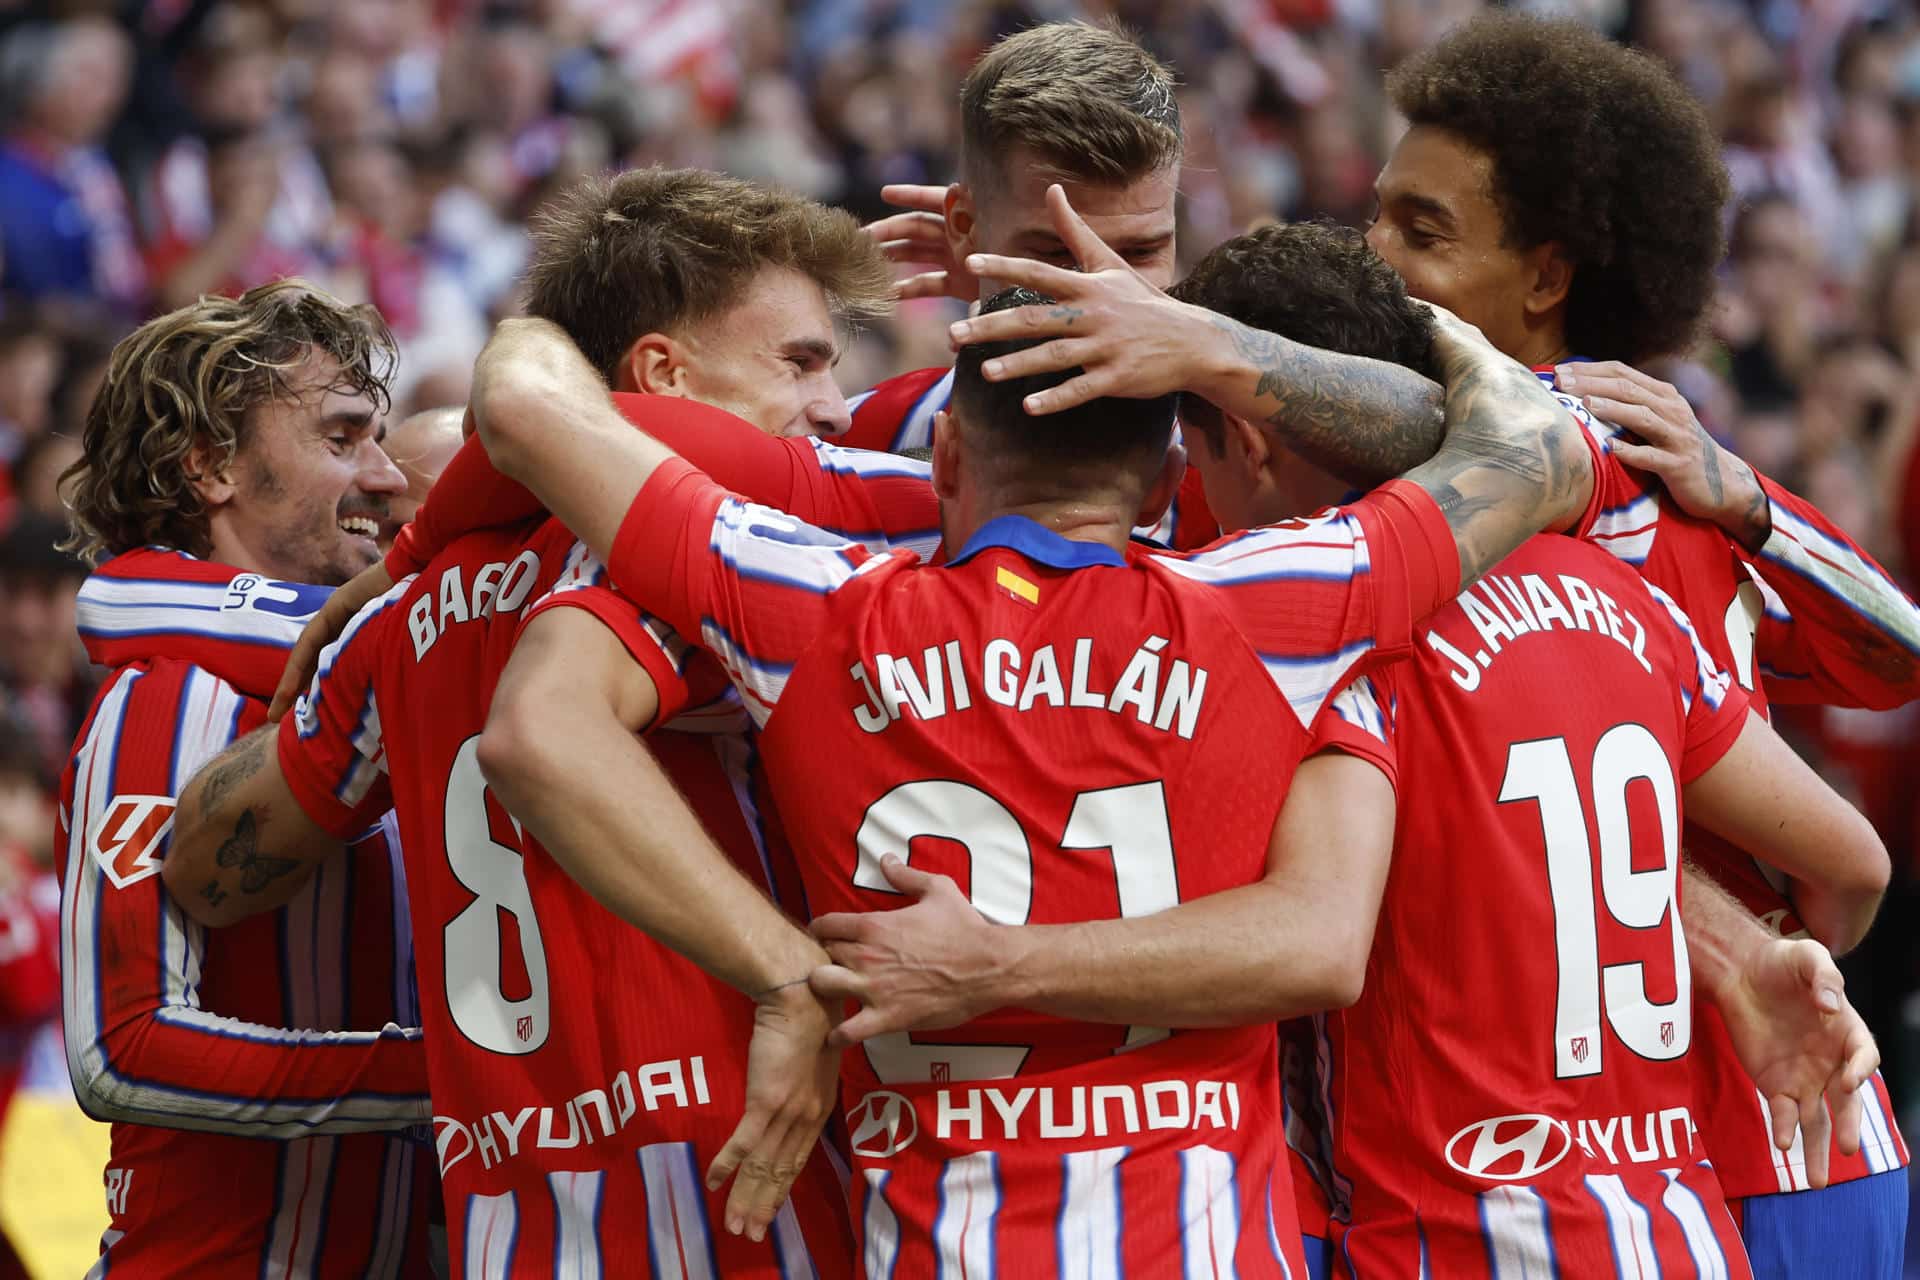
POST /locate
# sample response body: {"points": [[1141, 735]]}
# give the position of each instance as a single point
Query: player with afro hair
{"points": [[1558, 190]]}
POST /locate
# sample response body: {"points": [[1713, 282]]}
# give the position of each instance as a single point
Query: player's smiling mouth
{"points": [[360, 526]]}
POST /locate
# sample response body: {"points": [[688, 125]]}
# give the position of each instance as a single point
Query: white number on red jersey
{"points": [[1542, 771], [1743, 622], [496, 875], [1129, 822]]}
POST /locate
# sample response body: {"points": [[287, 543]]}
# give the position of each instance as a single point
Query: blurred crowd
{"points": [[393, 151]]}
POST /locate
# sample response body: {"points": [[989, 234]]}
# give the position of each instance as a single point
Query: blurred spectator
{"points": [[65, 227], [43, 670]]}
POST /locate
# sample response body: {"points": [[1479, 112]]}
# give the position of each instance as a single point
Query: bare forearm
{"points": [[1513, 463], [596, 799], [1247, 955], [1838, 920], [240, 845], [1364, 420], [1721, 934], [546, 420]]}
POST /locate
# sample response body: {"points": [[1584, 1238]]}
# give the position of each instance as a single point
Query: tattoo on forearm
{"points": [[1710, 465], [1510, 464], [213, 893], [244, 759], [241, 851], [1364, 420]]}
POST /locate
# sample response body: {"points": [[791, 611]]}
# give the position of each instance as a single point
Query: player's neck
{"points": [[1075, 519], [1544, 345]]}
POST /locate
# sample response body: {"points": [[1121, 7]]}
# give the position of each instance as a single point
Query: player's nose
{"points": [[828, 415], [378, 474]]}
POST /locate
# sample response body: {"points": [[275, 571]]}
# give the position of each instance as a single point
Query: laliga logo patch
{"points": [[285, 599], [126, 844], [883, 1125], [1508, 1148]]}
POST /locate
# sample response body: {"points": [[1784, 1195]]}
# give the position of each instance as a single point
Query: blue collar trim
{"points": [[1037, 543]]}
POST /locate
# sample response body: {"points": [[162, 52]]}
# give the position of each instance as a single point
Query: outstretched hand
{"points": [[919, 237], [322, 629], [1805, 1046], [1129, 338], [1669, 442], [792, 1088], [922, 967]]}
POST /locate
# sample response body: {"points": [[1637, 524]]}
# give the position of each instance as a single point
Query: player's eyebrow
{"points": [[1427, 205], [358, 419], [813, 349]]}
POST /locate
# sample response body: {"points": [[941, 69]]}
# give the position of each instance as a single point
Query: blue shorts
{"points": [[1854, 1231], [1319, 1257]]}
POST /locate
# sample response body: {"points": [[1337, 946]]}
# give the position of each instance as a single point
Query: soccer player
{"points": [[1076, 104], [1603, 244], [232, 453], [1319, 284], [726, 291], [953, 1173]]}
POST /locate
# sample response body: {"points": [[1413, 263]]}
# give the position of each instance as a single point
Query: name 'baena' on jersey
{"points": [[1155, 689], [1502, 608]]}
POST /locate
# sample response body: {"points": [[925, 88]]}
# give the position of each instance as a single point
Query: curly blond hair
{"points": [[192, 378]]}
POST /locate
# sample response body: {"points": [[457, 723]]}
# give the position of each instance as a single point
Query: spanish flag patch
{"points": [[1016, 586]]}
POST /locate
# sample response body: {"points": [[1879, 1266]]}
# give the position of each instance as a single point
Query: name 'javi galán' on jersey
{"points": [[1065, 730]]}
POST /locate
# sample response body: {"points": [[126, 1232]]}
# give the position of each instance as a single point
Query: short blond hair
{"points": [[655, 250], [193, 377], [1088, 100]]}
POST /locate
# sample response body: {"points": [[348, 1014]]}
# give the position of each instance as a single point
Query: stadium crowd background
{"points": [[392, 150]]}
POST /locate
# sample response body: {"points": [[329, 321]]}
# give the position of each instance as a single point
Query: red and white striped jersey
{"points": [[1830, 624], [200, 1044], [1064, 730], [898, 415], [583, 1075], [1511, 1094]]}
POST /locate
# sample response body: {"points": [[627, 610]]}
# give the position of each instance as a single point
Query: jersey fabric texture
{"points": [[246, 1067], [1810, 614], [958, 703], [1511, 1094], [583, 1075]]}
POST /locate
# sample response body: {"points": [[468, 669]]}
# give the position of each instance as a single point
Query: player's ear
{"points": [[1552, 278], [654, 365], [1166, 483], [1247, 445], [963, 222], [946, 456], [210, 475]]}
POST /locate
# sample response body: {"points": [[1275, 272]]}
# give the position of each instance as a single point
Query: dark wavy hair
{"points": [[1598, 148], [1316, 283]]}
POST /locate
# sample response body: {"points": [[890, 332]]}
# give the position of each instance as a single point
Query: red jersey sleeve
{"points": [[898, 413], [1320, 598], [331, 750], [1359, 721], [750, 581], [139, 1046], [1716, 707], [655, 646], [1837, 629]]}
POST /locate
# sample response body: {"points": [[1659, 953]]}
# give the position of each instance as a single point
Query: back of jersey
{"points": [[583, 1076], [1070, 737], [1511, 1090]]}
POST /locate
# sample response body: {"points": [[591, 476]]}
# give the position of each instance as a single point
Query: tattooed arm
{"points": [[241, 842], [1513, 462]]}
